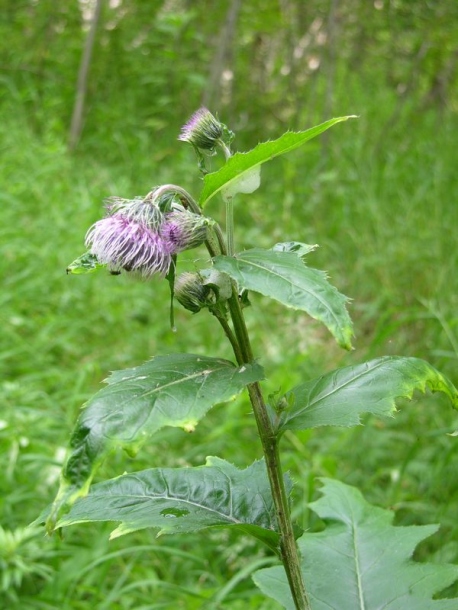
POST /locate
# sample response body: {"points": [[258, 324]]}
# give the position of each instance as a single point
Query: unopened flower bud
{"points": [[202, 130], [183, 231], [191, 292]]}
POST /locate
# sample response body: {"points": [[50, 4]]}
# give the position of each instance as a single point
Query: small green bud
{"points": [[191, 292]]}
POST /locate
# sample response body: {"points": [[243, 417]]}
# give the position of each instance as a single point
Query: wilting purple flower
{"points": [[202, 130], [121, 242], [137, 236]]}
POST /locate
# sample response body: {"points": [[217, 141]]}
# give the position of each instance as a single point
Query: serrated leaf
{"points": [[284, 277], [242, 163], [175, 390], [361, 561], [340, 397], [86, 263], [176, 500]]}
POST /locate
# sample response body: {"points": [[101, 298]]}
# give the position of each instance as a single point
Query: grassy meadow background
{"points": [[378, 194]]}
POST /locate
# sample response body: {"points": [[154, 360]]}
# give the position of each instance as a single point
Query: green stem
{"points": [[181, 192], [230, 226], [226, 150], [288, 549], [231, 336], [241, 345], [229, 207]]}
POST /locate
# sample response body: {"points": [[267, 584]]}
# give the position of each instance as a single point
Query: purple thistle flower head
{"points": [[183, 231], [129, 238], [139, 209], [123, 243], [137, 236], [202, 130]]}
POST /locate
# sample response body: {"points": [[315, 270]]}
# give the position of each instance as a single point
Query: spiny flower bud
{"points": [[202, 130], [183, 231], [192, 293]]}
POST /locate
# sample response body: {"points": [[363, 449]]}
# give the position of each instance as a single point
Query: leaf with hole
{"points": [[176, 500], [175, 390]]}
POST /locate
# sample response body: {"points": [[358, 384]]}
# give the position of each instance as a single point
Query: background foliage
{"points": [[377, 194]]}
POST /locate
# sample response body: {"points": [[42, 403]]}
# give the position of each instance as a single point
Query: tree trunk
{"points": [[223, 55], [83, 73]]}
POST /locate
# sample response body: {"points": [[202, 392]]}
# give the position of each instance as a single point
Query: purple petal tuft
{"points": [[125, 243]]}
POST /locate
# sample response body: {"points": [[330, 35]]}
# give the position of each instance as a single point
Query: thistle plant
{"points": [[359, 560]]}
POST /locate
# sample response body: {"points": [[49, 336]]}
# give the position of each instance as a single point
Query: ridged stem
{"points": [[269, 439]]}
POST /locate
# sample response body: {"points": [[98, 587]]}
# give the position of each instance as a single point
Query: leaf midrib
{"points": [[362, 604], [230, 517], [339, 388], [293, 284], [116, 386]]}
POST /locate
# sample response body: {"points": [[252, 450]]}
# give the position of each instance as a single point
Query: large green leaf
{"points": [[242, 164], [183, 500], [340, 397], [361, 561], [283, 276], [175, 390]]}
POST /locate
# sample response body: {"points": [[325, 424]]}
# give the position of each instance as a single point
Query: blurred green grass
{"points": [[380, 202]]}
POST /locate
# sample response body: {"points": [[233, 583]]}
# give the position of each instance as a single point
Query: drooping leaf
{"points": [[246, 163], [86, 263], [175, 390], [340, 397], [361, 561], [296, 247], [283, 276], [184, 500]]}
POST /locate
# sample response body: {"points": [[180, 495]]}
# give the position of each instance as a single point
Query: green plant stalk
{"points": [[269, 439], [231, 337], [230, 226], [241, 346]]}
